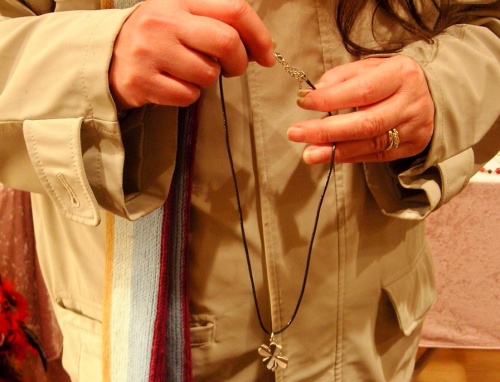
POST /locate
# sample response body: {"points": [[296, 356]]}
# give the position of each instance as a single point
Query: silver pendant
{"points": [[272, 355]]}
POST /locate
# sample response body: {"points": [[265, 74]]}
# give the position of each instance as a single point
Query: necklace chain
{"points": [[300, 76], [292, 71]]}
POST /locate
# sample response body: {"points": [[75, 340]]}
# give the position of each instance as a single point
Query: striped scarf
{"points": [[146, 316]]}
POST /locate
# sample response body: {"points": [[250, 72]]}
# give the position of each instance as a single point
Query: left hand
{"points": [[388, 93]]}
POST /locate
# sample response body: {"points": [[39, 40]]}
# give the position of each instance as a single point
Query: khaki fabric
{"points": [[371, 279]]}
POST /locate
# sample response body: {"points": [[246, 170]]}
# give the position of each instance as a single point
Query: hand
{"points": [[387, 92], [167, 50]]}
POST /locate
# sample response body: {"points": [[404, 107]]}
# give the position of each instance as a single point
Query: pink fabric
{"points": [[18, 264], [465, 239]]}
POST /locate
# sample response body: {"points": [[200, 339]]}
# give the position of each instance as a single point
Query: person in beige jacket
{"points": [[79, 112]]}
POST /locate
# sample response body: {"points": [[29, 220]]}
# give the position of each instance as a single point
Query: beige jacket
{"points": [[371, 279]]}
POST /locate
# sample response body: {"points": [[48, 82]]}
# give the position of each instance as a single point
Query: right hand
{"points": [[168, 50]]}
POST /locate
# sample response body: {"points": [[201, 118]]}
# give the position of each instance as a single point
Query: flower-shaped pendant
{"points": [[272, 356]]}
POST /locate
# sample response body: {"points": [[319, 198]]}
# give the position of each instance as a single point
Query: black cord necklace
{"points": [[272, 353]]}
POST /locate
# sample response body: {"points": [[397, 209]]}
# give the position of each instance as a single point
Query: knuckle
{"points": [[236, 9], [135, 82], [414, 71], [410, 69], [379, 144], [321, 135], [366, 91], [148, 20], [179, 95], [371, 125], [321, 132], [140, 50], [227, 40], [188, 97], [210, 75]]}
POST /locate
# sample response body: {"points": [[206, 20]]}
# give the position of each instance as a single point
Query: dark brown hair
{"points": [[348, 12]]}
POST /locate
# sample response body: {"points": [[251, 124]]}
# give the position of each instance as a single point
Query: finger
{"points": [[244, 20], [162, 89], [217, 40], [203, 70], [371, 147], [410, 142], [361, 90], [348, 151], [344, 72], [174, 92], [403, 151], [318, 154], [363, 124]]}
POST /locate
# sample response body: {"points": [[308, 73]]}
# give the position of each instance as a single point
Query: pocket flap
{"points": [[202, 330], [413, 294]]}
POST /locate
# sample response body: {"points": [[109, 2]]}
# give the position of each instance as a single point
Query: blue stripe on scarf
{"points": [[175, 339], [144, 293]]}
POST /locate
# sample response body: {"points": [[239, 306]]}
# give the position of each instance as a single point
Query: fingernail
{"points": [[313, 155], [305, 102], [303, 92], [295, 134], [275, 44]]}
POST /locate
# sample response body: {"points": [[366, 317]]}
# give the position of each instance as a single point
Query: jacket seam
{"points": [[439, 125], [140, 178], [84, 62], [92, 118], [43, 175], [341, 253], [82, 74], [75, 168], [85, 119]]}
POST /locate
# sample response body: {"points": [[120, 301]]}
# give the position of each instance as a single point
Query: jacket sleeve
{"points": [[59, 130], [462, 68]]}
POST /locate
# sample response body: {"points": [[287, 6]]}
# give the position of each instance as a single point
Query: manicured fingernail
{"points": [[303, 92], [304, 102], [296, 134]]}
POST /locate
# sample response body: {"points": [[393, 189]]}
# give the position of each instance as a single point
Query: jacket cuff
{"points": [[417, 191], [61, 171], [83, 156], [139, 175]]}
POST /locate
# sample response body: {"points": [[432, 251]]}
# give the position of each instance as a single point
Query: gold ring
{"points": [[393, 142]]}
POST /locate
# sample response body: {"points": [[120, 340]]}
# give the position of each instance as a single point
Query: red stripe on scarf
{"points": [[158, 367]]}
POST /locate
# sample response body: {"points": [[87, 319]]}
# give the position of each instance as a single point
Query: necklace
{"points": [[273, 359]]}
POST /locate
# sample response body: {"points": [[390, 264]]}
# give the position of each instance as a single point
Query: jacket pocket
{"points": [[82, 346], [202, 330], [413, 294]]}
